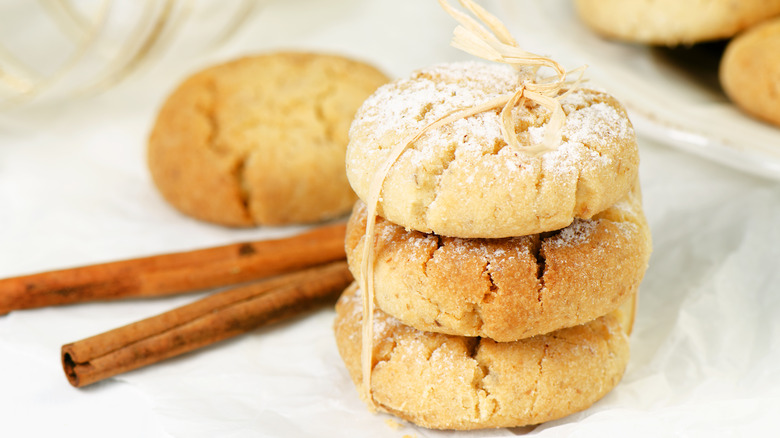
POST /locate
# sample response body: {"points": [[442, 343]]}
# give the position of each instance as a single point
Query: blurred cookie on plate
{"points": [[673, 22], [750, 71]]}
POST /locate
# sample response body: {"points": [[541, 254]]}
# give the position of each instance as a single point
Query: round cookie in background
{"points": [[511, 288], [750, 71], [463, 180], [453, 382], [261, 140], [673, 22]]}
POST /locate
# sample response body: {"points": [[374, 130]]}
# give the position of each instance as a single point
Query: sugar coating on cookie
{"points": [[261, 140], [462, 179], [673, 22], [750, 71], [511, 288], [452, 382]]}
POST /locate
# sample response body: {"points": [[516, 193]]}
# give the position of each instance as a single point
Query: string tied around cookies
{"points": [[497, 44], [492, 43]]}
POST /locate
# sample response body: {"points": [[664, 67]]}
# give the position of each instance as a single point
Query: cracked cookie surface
{"points": [[452, 382], [463, 180], [510, 288], [261, 140]]}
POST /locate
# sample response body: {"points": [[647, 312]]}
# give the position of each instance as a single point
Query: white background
{"points": [[74, 190]]}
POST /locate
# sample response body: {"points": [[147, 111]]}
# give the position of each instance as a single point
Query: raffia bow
{"points": [[493, 43]]}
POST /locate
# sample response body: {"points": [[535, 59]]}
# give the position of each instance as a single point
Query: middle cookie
{"points": [[510, 288]]}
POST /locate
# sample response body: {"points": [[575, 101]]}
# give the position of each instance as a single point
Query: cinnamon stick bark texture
{"points": [[174, 273], [203, 322]]}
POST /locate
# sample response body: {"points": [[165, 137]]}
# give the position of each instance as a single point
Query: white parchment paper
{"points": [[74, 190]]}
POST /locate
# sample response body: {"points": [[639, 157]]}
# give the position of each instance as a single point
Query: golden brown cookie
{"points": [[750, 71], [453, 382], [673, 22], [261, 140], [462, 179], [511, 288]]}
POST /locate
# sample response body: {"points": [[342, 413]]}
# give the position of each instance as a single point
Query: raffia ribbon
{"points": [[493, 43]]}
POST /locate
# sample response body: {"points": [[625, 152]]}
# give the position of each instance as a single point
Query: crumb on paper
{"points": [[394, 424]]}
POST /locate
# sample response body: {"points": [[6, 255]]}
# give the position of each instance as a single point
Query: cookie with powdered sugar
{"points": [[511, 288], [462, 179], [454, 382]]}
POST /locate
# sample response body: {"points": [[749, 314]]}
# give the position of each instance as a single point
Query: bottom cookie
{"points": [[452, 382]]}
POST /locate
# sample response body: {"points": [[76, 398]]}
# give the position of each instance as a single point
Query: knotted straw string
{"points": [[494, 44]]}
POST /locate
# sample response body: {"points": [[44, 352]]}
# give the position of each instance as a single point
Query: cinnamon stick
{"points": [[203, 322], [174, 273]]}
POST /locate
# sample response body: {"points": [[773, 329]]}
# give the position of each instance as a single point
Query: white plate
{"points": [[667, 99]]}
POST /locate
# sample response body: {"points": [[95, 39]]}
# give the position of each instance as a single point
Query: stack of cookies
{"points": [[504, 282]]}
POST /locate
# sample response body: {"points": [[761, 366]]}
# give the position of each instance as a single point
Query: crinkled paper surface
{"points": [[74, 190]]}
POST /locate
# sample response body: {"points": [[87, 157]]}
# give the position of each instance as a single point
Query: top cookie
{"points": [[261, 140], [462, 180], [673, 22]]}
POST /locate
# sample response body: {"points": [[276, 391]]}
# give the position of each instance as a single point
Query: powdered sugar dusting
{"points": [[429, 94], [383, 324], [408, 105], [595, 124], [579, 232]]}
